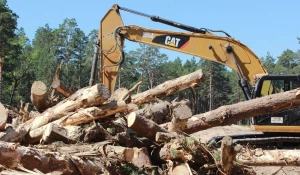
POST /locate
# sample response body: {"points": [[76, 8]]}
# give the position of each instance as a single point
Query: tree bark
{"points": [[184, 149], [229, 114], [159, 112], [35, 135], [228, 154], [67, 134], [83, 98], [261, 157], [61, 88], [137, 156], [180, 116], [142, 126], [93, 113], [39, 95], [82, 116], [169, 88], [12, 155]]}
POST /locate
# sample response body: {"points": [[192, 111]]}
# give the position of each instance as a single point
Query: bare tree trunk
{"points": [[228, 154], [210, 91], [1, 64], [229, 114], [259, 157], [12, 155], [144, 127], [169, 88]]}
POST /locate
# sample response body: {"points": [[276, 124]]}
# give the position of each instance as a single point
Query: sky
{"points": [[263, 25]]}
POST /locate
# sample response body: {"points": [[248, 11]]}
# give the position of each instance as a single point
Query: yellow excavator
{"points": [[203, 43]]}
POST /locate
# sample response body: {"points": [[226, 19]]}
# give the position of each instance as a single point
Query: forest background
{"points": [[23, 61]]}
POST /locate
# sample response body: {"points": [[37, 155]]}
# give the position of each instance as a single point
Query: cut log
{"points": [[228, 154], [159, 112], [61, 88], [137, 156], [67, 134], [82, 116], [83, 98], [120, 95], [143, 127], [3, 117], [13, 155], [180, 116], [89, 114], [58, 86], [230, 114], [38, 96], [14, 135], [169, 88], [35, 135], [259, 157]]}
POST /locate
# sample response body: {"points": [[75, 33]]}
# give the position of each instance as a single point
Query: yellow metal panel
{"points": [[110, 53], [275, 128]]}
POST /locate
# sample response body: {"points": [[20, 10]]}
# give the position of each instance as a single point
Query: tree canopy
{"points": [[27, 61]]}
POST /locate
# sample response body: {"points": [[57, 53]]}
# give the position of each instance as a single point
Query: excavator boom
{"points": [[203, 43], [111, 47], [197, 42]]}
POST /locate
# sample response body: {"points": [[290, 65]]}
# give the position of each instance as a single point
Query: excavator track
{"points": [[264, 139]]}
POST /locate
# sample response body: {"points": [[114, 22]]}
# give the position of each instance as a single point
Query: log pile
{"points": [[91, 131]]}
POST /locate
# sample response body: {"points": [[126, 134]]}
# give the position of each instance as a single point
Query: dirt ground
{"points": [[206, 135]]}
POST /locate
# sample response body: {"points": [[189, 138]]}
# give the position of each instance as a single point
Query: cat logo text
{"points": [[172, 41]]}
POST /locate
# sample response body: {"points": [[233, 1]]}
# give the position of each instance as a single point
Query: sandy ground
{"points": [[206, 135]]}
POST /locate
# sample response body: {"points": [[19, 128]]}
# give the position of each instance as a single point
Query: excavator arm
{"points": [[197, 42]]}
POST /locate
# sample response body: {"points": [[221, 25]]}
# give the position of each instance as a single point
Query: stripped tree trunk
{"points": [[13, 155], [230, 114], [228, 154], [143, 127], [259, 157], [83, 98], [169, 88]]}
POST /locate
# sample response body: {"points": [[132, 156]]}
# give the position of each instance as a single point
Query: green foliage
{"points": [[149, 61], [217, 155], [25, 62], [216, 89], [129, 169], [288, 62], [269, 63], [10, 50], [43, 54]]}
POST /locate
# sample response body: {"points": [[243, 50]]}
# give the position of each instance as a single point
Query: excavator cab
{"points": [[283, 121]]}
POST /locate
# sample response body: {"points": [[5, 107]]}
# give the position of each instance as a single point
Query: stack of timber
{"points": [[91, 131]]}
